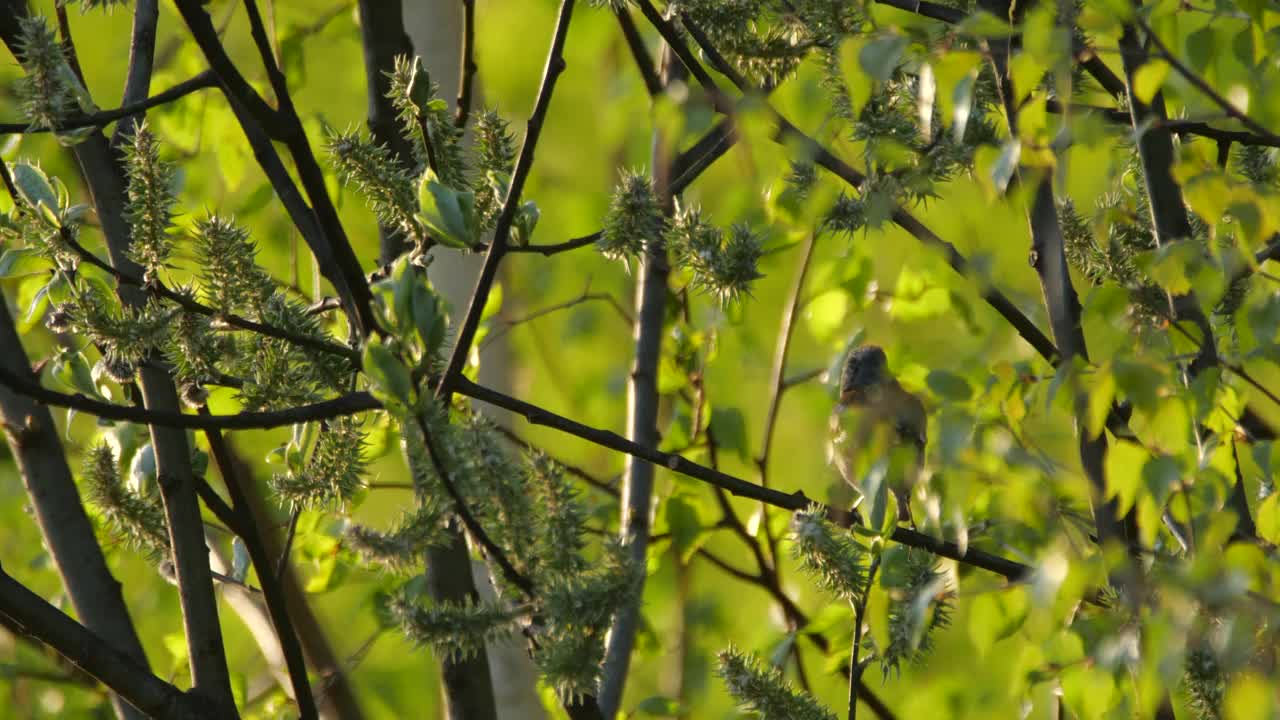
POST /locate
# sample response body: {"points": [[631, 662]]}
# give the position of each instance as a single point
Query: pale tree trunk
{"points": [[436, 29]]}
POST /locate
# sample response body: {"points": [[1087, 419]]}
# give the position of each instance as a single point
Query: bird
{"points": [[872, 404]]}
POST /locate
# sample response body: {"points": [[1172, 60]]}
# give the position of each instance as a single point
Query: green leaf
{"points": [[449, 214], [1149, 79], [34, 186], [882, 55], [1269, 519], [1123, 468], [659, 706], [1161, 474], [856, 82], [17, 262], [72, 370], [429, 317], [881, 505], [949, 386], [730, 428], [1006, 164], [389, 379], [525, 221]]}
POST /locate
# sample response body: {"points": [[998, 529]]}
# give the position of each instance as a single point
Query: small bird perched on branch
{"points": [[881, 403]]}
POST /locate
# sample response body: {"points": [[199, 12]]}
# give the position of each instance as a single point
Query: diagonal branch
{"points": [[1192, 77], [502, 232], [788, 501], [348, 404], [272, 589], [202, 81], [84, 649]]}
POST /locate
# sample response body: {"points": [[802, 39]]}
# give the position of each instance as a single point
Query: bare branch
{"points": [[202, 81], [87, 651]]}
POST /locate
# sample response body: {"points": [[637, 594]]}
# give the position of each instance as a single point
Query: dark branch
{"points": [[193, 306], [467, 73], [501, 234], [204, 80], [349, 404], [736, 486], [95, 656], [1204, 87], [272, 590]]}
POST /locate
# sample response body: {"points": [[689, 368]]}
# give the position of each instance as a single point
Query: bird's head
{"points": [[866, 369]]}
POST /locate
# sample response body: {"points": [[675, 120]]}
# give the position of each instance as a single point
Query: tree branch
{"points": [[57, 508], [322, 230], [788, 501], [90, 653], [348, 404], [383, 38], [142, 49], [501, 234], [1204, 87], [467, 71], [199, 82], [269, 580]]}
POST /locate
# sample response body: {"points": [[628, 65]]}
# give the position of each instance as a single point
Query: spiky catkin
{"points": [[400, 549], [830, 556], [386, 184], [425, 121], [193, 347], [634, 217], [920, 602], [577, 610], [764, 691], [149, 205], [231, 279], [562, 520], [1205, 683], [44, 92], [452, 631], [334, 472], [125, 334], [495, 157], [133, 519], [723, 266]]}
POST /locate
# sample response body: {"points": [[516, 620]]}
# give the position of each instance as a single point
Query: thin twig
{"points": [[467, 69], [1204, 87], [778, 382], [282, 563], [635, 43], [349, 404], [859, 618], [193, 306], [586, 297], [502, 232], [202, 81]]}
